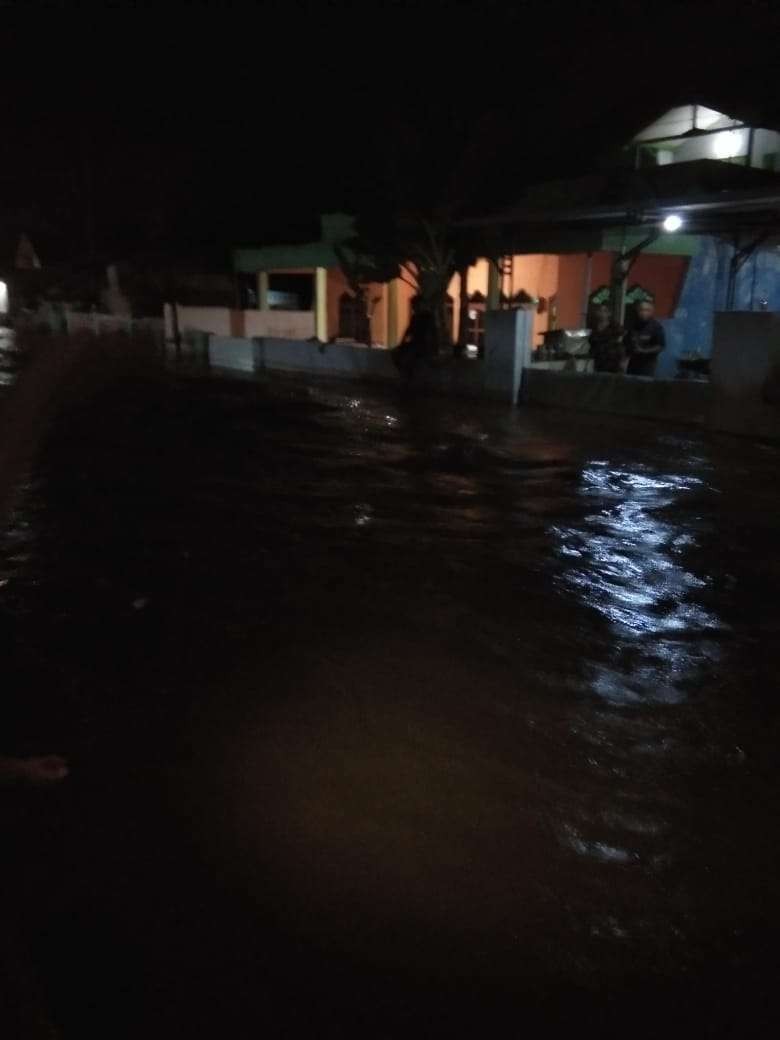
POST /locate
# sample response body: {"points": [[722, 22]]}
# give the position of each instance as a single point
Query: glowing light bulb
{"points": [[726, 145]]}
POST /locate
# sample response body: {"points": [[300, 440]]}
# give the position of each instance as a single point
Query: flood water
{"points": [[394, 716]]}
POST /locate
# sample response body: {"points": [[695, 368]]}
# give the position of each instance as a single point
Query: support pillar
{"points": [[463, 311], [493, 287], [392, 313], [262, 290], [586, 283], [321, 303], [508, 344], [617, 295]]}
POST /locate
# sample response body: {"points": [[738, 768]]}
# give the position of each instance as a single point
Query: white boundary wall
{"points": [[222, 321], [215, 320], [279, 324], [497, 375]]}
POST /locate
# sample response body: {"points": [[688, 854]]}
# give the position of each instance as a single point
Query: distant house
{"points": [[560, 241], [307, 275], [713, 172]]}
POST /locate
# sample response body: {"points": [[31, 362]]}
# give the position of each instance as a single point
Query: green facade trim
{"points": [[280, 258], [666, 245], [590, 240]]}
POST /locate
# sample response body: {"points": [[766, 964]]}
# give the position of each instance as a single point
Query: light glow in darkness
{"points": [[727, 145]]}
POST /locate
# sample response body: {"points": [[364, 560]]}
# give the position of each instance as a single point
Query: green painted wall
{"points": [[667, 245], [279, 258]]}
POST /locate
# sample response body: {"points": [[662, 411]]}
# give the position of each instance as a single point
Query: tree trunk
{"points": [[432, 299]]}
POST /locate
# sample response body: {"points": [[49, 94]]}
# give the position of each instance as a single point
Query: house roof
{"points": [[685, 120], [682, 119], [582, 214]]}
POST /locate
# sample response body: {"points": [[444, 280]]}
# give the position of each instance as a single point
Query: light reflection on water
{"points": [[625, 560]]}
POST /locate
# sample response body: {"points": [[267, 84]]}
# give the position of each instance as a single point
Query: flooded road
{"points": [[394, 716]]}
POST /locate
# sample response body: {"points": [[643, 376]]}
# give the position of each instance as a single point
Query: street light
{"points": [[673, 222]]}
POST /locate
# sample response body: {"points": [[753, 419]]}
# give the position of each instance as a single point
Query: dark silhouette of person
{"points": [[644, 341], [606, 341], [419, 340]]}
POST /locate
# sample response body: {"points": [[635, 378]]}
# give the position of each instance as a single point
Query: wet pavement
{"points": [[394, 716]]}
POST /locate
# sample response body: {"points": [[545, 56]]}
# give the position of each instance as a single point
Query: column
{"points": [[620, 268], [392, 313], [262, 290], [508, 340], [463, 310], [586, 280], [493, 289], [321, 303]]}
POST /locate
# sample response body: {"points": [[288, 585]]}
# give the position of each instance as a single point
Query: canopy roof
{"points": [[684, 120], [591, 213]]}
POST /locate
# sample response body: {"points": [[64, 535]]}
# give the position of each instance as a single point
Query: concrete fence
{"points": [[497, 375], [109, 324], [239, 354], [671, 400], [742, 396], [226, 322], [58, 319]]}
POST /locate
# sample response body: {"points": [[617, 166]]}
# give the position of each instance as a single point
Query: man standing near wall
{"points": [[644, 341]]}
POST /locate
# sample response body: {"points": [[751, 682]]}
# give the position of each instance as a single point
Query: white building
{"points": [[691, 132]]}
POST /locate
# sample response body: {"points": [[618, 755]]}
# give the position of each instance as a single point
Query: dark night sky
{"points": [[220, 123]]}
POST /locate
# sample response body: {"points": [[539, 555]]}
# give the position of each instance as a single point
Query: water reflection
{"points": [[626, 560]]}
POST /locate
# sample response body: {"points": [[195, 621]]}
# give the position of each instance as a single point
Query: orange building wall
{"points": [[378, 293], [337, 284], [478, 277], [663, 276], [572, 272], [536, 274], [540, 275]]}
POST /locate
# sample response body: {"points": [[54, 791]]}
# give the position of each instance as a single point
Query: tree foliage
{"points": [[425, 252]]}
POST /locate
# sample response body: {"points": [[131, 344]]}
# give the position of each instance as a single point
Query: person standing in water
{"points": [[644, 341], [606, 341]]}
